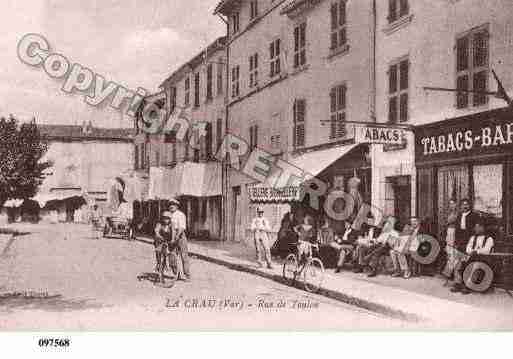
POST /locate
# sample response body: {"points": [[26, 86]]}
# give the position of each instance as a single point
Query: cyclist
{"points": [[163, 240], [306, 237]]}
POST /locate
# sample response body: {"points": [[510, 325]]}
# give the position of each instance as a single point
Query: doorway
{"points": [[398, 198]]}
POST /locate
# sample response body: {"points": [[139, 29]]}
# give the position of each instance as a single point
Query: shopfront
{"points": [[343, 168], [467, 157]]}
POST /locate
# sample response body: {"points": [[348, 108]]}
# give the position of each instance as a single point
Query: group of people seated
{"points": [[368, 246]]}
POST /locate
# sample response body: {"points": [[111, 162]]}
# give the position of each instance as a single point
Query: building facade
{"points": [[444, 44], [84, 159], [300, 72], [184, 166]]}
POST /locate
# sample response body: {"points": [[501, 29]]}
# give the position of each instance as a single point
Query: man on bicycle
{"points": [[163, 241]]}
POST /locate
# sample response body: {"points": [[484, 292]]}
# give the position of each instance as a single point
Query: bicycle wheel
{"points": [[290, 268], [313, 275]]}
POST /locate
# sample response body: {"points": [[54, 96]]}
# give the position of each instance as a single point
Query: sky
{"points": [[135, 43]]}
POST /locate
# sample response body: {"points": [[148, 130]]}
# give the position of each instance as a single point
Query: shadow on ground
{"points": [[55, 303]]}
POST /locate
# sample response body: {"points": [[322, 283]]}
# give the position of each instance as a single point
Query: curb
{"points": [[329, 293]]}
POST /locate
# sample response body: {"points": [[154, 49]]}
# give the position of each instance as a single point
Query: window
{"points": [[219, 132], [300, 45], [196, 155], [253, 70], [338, 24], [209, 81], [235, 23], [173, 152], [197, 90], [274, 55], [136, 157], [253, 137], [170, 138], [338, 111], [398, 92], [253, 12], [276, 142], [235, 81], [187, 92], [472, 67], [299, 112], [220, 70], [173, 99], [397, 9]]}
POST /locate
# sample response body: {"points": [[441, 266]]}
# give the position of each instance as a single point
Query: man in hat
{"points": [[179, 225], [479, 243], [261, 228]]}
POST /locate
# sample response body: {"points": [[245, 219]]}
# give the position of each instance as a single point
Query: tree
{"points": [[21, 167]]}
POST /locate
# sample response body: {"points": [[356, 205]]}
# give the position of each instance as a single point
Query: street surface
{"points": [[59, 277]]}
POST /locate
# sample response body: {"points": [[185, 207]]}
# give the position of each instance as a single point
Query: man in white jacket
{"points": [[260, 228]]}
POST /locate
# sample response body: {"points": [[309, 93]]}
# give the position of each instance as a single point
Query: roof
{"points": [[190, 65], [223, 5], [294, 5], [77, 133]]}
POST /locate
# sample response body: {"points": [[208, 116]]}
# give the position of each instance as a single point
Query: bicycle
{"points": [[158, 277], [304, 264]]}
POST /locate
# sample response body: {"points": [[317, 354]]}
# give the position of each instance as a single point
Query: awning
{"points": [[310, 164], [185, 179], [56, 195]]}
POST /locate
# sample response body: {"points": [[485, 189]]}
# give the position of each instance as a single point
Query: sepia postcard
{"points": [[256, 165]]}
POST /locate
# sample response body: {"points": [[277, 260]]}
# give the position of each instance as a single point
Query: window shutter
{"points": [[136, 157], [392, 10], [392, 79], [342, 12], [403, 82], [334, 16]]}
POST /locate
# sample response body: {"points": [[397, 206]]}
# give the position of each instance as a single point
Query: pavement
{"points": [[47, 257], [421, 299], [60, 277]]}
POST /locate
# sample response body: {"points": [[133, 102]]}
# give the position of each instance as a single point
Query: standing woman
{"points": [[287, 238], [450, 238]]}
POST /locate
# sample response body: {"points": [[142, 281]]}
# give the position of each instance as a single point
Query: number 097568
{"points": [[54, 342]]}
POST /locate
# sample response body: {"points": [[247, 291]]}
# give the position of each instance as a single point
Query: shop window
{"points": [[453, 183], [472, 54], [488, 190], [300, 45], [253, 70], [299, 113], [274, 56], [398, 83], [338, 37], [338, 112], [397, 9]]}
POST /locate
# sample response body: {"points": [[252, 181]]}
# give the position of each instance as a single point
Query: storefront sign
{"points": [[270, 194], [379, 135], [484, 133]]}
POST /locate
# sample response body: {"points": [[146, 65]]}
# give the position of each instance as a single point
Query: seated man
{"points": [[479, 243], [372, 253], [401, 247], [344, 244]]}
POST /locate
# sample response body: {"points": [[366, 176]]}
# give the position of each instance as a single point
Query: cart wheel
{"points": [[478, 276], [313, 275], [290, 268]]}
